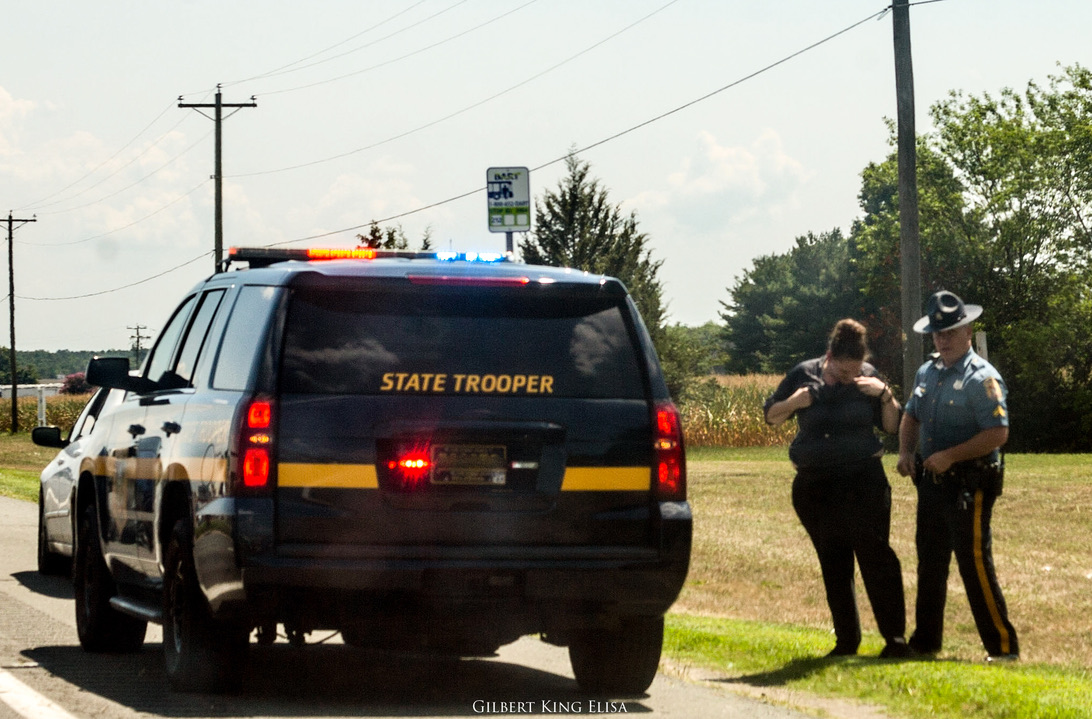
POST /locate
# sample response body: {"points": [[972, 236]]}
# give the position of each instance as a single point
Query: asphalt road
{"points": [[45, 675]]}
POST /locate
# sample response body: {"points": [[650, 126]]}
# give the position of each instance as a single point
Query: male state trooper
{"points": [[955, 422]]}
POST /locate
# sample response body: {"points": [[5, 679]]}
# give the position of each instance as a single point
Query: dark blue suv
{"points": [[421, 451]]}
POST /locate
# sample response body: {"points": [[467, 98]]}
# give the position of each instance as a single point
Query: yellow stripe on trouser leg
{"points": [[983, 579]]}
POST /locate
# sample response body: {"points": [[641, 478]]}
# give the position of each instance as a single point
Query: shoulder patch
{"points": [[993, 389]]}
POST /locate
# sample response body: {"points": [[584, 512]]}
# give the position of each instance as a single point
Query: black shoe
{"points": [[897, 648], [1002, 658], [920, 648], [842, 651]]}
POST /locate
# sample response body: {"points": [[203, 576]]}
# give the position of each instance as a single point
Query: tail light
{"points": [[669, 467], [409, 469], [253, 471]]}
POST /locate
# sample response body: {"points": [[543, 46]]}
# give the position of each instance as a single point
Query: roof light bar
{"points": [[265, 256]]}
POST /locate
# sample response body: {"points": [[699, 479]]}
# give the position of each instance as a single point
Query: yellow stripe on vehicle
{"points": [[579, 479], [363, 476], [348, 476]]}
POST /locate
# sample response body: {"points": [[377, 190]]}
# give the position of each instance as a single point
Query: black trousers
{"points": [[846, 511], [951, 520]]}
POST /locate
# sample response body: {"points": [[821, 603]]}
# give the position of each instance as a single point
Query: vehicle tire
{"points": [[101, 628], [618, 661], [202, 654], [49, 562]]}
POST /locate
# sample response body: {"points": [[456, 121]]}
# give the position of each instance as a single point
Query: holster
{"points": [[974, 474]]}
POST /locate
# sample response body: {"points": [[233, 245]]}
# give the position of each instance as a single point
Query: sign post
{"points": [[508, 190]]}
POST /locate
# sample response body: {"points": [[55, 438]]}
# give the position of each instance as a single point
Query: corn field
{"points": [[62, 410], [726, 411]]}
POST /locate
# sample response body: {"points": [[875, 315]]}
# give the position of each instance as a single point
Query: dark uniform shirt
{"points": [[953, 404], [838, 426]]}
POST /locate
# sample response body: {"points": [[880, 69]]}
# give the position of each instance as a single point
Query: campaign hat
{"points": [[946, 311]]}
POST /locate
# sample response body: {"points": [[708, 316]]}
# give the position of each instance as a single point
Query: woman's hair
{"points": [[848, 340]]}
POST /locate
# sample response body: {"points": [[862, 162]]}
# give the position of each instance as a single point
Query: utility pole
{"points": [[136, 338], [910, 247], [11, 306], [218, 176]]}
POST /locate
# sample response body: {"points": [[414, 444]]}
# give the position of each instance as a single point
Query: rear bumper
{"points": [[632, 580], [649, 581]]}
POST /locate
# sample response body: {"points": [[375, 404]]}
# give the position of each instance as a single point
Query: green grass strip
{"points": [[19, 483], [771, 655]]}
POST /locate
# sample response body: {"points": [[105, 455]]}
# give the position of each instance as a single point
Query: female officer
{"points": [[841, 492]]}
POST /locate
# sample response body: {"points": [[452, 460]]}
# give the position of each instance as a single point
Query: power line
{"points": [[539, 167], [290, 67], [427, 125], [610, 138], [41, 202], [124, 227], [118, 289], [418, 51], [154, 172]]}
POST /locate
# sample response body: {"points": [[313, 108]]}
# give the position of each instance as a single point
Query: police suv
{"points": [[427, 452]]}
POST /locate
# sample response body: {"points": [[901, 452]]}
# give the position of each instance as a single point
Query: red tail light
{"points": [[259, 415], [254, 457], [669, 470], [256, 467], [410, 469]]}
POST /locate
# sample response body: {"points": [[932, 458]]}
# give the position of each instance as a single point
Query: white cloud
{"points": [[719, 185], [11, 110]]}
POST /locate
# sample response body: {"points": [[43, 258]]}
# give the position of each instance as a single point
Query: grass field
{"points": [[752, 614]]}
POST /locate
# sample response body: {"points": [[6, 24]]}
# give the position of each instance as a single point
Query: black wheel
{"points": [[101, 628], [618, 660], [202, 654], [49, 562]]}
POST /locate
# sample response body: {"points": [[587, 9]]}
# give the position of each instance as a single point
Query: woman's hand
{"points": [[872, 386], [781, 411]]}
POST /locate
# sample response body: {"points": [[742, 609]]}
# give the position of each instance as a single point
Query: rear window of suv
{"points": [[465, 342]]}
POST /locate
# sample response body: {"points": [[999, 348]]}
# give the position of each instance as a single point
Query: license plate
{"points": [[469, 464]]}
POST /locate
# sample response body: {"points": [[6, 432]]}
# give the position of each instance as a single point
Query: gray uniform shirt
{"points": [[955, 403]]}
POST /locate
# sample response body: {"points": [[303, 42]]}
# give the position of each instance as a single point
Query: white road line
{"points": [[27, 702]]}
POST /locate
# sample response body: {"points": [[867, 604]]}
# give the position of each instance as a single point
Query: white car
{"points": [[56, 525]]}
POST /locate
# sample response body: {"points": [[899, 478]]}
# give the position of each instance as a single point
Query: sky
{"points": [[730, 128]]}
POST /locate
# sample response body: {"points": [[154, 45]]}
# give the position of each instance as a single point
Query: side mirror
{"points": [[48, 437], [113, 372]]}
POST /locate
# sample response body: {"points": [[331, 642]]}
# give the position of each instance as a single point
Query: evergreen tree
{"points": [[578, 226]]}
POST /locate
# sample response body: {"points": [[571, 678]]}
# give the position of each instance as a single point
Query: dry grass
{"points": [[753, 560]]}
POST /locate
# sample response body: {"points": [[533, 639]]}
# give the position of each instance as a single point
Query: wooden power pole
{"points": [[11, 306], [218, 176], [909, 243]]}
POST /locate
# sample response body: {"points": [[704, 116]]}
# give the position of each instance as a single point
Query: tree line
{"points": [[1005, 196]]}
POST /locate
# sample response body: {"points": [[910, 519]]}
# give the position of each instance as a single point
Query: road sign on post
{"points": [[508, 192]]}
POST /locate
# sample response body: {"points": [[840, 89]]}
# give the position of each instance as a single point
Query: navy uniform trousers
{"points": [[951, 519], [846, 511]]}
